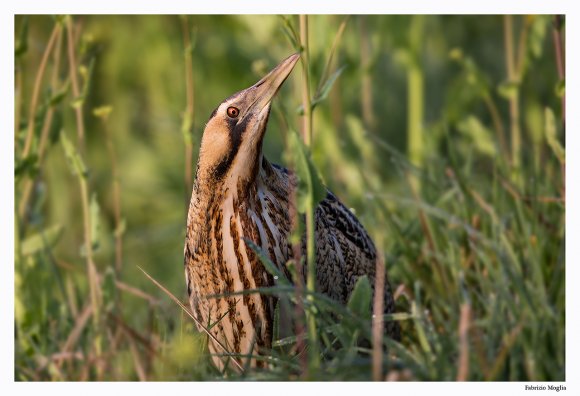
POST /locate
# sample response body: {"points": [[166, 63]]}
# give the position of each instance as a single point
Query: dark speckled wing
{"points": [[345, 252]]}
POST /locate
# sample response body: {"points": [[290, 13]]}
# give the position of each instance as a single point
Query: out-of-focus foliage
{"points": [[417, 130]]}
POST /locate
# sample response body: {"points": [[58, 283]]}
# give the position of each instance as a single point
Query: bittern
{"points": [[238, 195]]}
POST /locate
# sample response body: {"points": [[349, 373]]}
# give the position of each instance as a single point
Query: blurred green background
{"points": [[424, 111]]}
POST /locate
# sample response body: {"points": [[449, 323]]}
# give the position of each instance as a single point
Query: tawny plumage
{"points": [[238, 195]]}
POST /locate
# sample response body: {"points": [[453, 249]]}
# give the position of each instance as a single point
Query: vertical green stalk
{"points": [[19, 306], [378, 324], [560, 61], [18, 86], [87, 232], [313, 361], [415, 114], [415, 95], [514, 99], [187, 124], [306, 101], [415, 92], [36, 90], [47, 123], [336, 93], [75, 83], [82, 174], [103, 113], [463, 333], [92, 275], [367, 83]]}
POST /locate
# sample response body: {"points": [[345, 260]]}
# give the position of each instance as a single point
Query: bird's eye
{"points": [[233, 112]]}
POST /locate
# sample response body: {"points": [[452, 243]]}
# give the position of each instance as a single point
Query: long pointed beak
{"points": [[267, 87]]}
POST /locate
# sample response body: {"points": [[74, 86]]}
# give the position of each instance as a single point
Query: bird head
{"points": [[231, 146]]}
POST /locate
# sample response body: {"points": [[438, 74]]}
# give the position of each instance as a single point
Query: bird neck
{"points": [[208, 193]]}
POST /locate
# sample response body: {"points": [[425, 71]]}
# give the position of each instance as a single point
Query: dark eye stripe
{"points": [[235, 136]]}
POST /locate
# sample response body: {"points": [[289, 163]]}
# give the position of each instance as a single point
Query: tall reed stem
{"points": [[47, 123], [92, 274], [367, 83], [415, 92], [415, 114], [75, 82], [378, 324], [514, 100], [313, 356], [116, 194], [561, 63], [306, 100], [188, 115], [36, 90], [560, 58], [463, 360], [18, 94]]}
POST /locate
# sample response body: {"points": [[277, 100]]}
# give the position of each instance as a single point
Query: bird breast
{"points": [[220, 265]]}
